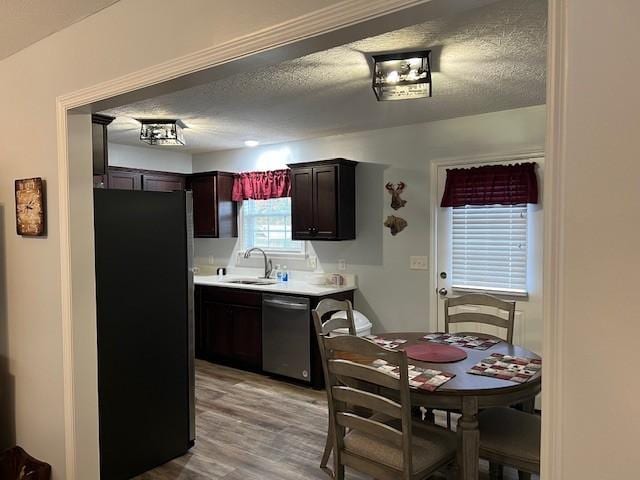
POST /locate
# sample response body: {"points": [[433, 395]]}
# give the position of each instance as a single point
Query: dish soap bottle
{"points": [[285, 274]]}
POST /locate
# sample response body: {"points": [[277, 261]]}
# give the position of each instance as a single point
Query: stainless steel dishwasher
{"points": [[286, 337]]}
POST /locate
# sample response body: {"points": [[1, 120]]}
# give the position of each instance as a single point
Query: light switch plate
{"points": [[418, 263]]}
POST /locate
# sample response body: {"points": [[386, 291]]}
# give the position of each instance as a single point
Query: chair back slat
{"points": [[348, 369], [481, 300], [334, 324], [485, 318], [353, 396], [370, 427], [329, 305], [360, 346]]}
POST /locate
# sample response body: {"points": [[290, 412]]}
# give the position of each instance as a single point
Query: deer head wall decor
{"points": [[395, 224], [395, 191]]}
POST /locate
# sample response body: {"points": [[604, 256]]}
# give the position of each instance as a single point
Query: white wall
{"points": [[598, 323], [148, 158], [394, 297], [83, 55]]}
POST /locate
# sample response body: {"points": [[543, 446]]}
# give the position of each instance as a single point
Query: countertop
{"points": [[291, 287]]}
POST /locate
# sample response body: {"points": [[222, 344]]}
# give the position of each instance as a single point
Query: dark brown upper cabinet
{"points": [[100, 150], [162, 182], [124, 179], [215, 214], [323, 200]]}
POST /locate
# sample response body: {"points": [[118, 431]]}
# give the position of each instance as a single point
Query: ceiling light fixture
{"points": [[402, 76], [162, 132], [251, 143]]}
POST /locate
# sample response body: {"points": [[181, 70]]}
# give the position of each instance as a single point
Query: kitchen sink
{"points": [[253, 282]]}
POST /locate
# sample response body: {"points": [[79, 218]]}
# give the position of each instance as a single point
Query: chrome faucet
{"points": [[268, 265]]}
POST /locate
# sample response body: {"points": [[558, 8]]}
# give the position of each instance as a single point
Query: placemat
{"points": [[383, 342], [435, 353], [467, 341], [507, 367], [422, 378]]}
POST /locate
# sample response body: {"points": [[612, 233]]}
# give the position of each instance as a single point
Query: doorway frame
{"points": [[334, 17]]}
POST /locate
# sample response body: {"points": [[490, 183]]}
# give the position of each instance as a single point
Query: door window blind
{"points": [[489, 248]]}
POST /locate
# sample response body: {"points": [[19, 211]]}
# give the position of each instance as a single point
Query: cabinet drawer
{"points": [[231, 296]]}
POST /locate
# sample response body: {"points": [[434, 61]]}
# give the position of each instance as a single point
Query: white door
{"points": [[528, 222]]}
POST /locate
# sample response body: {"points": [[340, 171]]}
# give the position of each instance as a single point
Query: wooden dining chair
{"points": [[325, 326], [510, 437], [387, 445], [481, 300], [329, 325], [484, 300]]}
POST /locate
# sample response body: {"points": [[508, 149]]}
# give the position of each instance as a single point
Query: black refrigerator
{"points": [[144, 290]]}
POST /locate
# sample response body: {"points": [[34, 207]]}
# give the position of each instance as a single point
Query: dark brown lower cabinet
{"points": [[228, 328], [218, 330], [246, 337]]}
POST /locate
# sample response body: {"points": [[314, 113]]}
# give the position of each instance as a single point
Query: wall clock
{"points": [[30, 207]]}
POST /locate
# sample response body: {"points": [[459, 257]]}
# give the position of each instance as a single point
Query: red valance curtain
{"points": [[491, 185], [261, 185]]}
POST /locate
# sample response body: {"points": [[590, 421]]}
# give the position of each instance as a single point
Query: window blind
{"points": [[489, 248]]}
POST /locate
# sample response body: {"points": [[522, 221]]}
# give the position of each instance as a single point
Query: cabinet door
{"points": [[217, 326], [162, 183], [100, 151], [325, 210], [123, 180], [302, 222], [226, 208], [247, 336], [199, 331], [204, 207]]}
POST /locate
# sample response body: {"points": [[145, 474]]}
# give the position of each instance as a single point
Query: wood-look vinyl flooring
{"points": [[252, 427]]}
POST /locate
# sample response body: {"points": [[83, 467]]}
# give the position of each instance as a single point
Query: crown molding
{"points": [[334, 17]]}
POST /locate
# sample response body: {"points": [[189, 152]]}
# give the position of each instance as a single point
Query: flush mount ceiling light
{"points": [[162, 132], [402, 76], [251, 143]]}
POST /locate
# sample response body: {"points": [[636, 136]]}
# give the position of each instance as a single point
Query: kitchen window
{"points": [[489, 248], [267, 224]]}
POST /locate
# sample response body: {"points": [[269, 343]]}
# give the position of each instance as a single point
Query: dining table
{"points": [[469, 393]]}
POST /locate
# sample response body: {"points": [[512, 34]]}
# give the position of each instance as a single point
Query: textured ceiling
{"points": [[488, 59], [23, 22]]}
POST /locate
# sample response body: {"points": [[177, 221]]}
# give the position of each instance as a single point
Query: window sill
{"points": [[276, 254], [492, 291]]}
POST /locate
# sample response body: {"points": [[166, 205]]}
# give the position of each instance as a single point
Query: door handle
{"points": [[443, 292], [285, 305]]}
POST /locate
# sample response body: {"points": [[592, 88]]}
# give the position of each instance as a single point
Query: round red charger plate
{"points": [[435, 353]]}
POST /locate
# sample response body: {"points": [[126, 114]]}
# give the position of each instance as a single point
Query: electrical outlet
{"points": [[418, 263], [211, 259], [312, 262], [342, 264]]}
